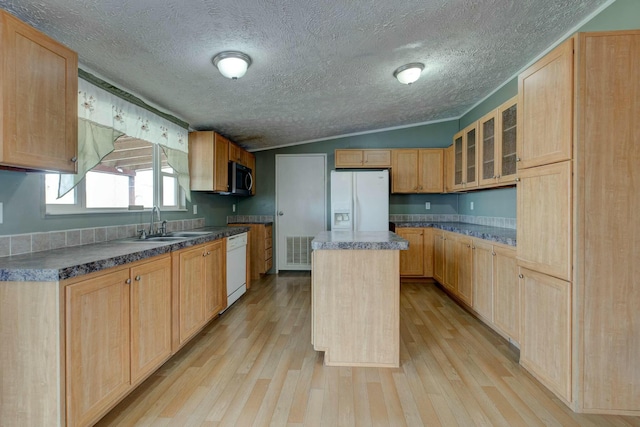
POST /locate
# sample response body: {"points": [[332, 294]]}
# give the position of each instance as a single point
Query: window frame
{"points": [[79, 207]]}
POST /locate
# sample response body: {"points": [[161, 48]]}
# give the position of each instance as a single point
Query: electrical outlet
{"points": [[195, 209], [471, 205], [427, 205], [1, 209]]}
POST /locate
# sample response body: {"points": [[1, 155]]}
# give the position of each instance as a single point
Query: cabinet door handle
{"points": [[517, 159], [128, 281], [493, 253], [517, 179], [138, 278], [74, 159], [521, 276], [468, 246]]}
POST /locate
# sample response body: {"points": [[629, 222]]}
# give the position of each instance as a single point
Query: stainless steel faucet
{"points": [[154, 209]]}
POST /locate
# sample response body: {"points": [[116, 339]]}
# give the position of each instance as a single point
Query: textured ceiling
{"points": [[320, 68]]}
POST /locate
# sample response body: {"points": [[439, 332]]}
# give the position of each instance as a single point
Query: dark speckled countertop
{"points": [[363, 240], [231, 223], [506, 236], [65, 263]]}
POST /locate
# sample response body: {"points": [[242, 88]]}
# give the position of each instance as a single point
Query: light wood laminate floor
{"points": [[255, 365]]}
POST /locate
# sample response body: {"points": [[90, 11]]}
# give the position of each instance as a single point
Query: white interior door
{"points": [[301, 185]]}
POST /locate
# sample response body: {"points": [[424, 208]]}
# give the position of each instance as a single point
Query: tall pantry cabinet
{"points": [[578, 110]]}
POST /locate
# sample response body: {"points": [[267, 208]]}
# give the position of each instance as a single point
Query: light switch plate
{"points": [[471, 205], [427, 205], [1, 209], [195, 209]]}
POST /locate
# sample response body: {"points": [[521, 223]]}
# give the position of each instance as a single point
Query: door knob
{"points": [[280, 213]]}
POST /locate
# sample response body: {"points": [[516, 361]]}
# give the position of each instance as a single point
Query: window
{"points": [[135, 175]]}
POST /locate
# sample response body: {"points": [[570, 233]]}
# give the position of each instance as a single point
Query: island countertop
{"points": [[360, 240]]}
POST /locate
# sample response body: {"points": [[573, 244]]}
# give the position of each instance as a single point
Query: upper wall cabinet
{"points": [[465, 157], [362, 158], [39, 92], [417, 170], [497, 145], [208, 161], [209, 157], [545, 90]]}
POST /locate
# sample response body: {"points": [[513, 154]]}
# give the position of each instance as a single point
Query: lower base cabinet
{"points": [[546, 330], [201, 291], [418, 260], [118, 330], [506, 292]]}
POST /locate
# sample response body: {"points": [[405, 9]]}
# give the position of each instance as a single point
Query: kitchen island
{"points": [[356, 297]]}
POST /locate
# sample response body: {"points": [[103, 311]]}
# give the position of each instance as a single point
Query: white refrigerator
{"points": [[360, 200]]}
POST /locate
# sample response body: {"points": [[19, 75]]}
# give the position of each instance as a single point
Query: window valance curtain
{"points": [[104, 117]]}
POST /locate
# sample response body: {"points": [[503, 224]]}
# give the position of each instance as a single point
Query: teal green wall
{"points": [[22, 195], [435, 135]]}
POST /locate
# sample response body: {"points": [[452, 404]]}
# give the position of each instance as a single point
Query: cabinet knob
{"points": [[468, 246], [138, 278], [521, 276], [473, 247], [74, 159], [493, 253], [204, 254], [128, 281], [517, 159], [517, 179], [497, 176]]}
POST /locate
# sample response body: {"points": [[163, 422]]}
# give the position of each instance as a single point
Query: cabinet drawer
{"points": [[268, 264], [268, 243], [268, 253]]}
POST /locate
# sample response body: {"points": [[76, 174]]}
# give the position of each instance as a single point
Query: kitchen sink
{"points": [[152, 239], [188, 233]]}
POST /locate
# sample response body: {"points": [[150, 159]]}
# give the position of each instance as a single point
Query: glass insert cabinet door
{"points": [[508, 143], [458, 151], [487, 148], [471, 139]]}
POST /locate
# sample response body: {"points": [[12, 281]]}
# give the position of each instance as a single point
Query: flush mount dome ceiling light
{"points": [[232, 64], [409, 73]]}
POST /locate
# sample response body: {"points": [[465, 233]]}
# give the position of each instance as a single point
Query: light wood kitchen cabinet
{"points": [[39, 93], [438, 255], [483, 279], [98, 350], [208, 161], [487, 149], [417, 170], [497, 136], [449, 169], [235, 153], [545, 347], [465, 270], [582, 107], [418, 260], [412, 260], [465, 157], [545, 113], [200, 288], [249, 160], [507, 141], [118, 331], [352, 158], [506, 292], [150, 317], [215, 275], [261, 237], [544, 219], [450, 263]]}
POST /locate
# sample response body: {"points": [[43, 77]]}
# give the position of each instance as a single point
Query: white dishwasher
{"points": [[236, 267]]}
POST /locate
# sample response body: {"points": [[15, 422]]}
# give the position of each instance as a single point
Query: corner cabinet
{"points": [[39, 92], [209, 156], [261, 256], [417, 261]]}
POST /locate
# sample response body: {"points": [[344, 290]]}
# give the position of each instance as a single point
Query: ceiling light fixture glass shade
{"points": [[409, 73], [232, 65]]}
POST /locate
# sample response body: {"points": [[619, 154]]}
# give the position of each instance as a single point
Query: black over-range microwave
{"points": [[240, 179]]}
